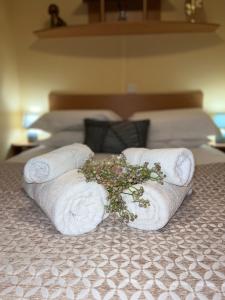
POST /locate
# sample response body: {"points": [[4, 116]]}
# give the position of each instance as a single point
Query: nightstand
{"points": [[17, 148], [219, 146]]}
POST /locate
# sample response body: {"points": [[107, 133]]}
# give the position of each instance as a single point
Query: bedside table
{"points": [[17, 148], [219, 146]]}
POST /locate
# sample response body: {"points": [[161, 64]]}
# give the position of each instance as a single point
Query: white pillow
{"points": [[177, 124], [63, 138], [56, 121]]}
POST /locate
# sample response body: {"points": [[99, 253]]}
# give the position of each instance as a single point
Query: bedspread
{"points": [[184, 260]]}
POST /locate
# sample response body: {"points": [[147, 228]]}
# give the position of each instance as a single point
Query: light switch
{"points": [[131, 88]]}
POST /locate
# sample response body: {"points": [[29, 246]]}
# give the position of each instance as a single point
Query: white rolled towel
{"points": [[55, 163], [177, 163], [73, 205], [164, 201]]}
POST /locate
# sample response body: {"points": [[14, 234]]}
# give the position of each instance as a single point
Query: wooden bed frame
{"points": [[126, 104]]}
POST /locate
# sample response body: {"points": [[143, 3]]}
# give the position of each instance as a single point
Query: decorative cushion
{"points": [[114, 137]]}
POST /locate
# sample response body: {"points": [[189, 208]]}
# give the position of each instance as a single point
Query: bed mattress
{"points": [[203, 155], [184, 260]]}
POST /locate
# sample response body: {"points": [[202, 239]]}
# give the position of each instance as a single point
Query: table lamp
{"points": [[219, 120], [28, 119]]}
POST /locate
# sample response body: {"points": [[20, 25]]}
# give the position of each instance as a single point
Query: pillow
{"points": [[56, 121], [114, 137], [177, 124], [63, 138]]}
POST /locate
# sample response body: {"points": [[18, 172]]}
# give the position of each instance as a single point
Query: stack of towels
{"points": [[75, 206]]}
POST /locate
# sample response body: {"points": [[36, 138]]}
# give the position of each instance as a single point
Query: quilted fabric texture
{"points": [[114, 137], [185, 260]]}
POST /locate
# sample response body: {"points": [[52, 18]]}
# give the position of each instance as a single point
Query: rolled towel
{"points": [[55, 163], [73, 205], [164, 202], [177, 163]]}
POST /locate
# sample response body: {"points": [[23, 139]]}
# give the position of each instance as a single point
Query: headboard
{"points": [[126, 104]]}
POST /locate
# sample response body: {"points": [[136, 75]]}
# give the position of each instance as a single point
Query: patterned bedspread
{"points": [[185, 260]]}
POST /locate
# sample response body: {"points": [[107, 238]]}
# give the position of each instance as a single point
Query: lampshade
{"points": [[29, 118], [219, 120]]}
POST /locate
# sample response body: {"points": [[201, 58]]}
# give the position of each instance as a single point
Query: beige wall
{"points": [[98, 65], [102, 65], [9, 88]]}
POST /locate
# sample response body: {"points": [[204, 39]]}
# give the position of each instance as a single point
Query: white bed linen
{"points": [[203, 155]]}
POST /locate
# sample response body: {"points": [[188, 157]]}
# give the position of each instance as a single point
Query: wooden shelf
{"points": [[126, 28]]}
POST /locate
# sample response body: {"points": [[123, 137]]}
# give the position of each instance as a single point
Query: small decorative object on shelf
{"points": [[191, 9], [122, 10], [110, 18], [55, 21], [119, 177]]}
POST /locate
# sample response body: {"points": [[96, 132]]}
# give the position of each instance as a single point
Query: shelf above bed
{"points": [[126, 28]]}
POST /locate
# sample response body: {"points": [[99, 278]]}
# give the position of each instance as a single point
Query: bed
{"points": [[120, 104], [203, 154], [184, 260]]}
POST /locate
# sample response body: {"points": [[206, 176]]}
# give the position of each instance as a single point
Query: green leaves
{"points": [[119, 177]]}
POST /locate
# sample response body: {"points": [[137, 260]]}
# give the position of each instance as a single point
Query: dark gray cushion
{"points": [[114, 137]]}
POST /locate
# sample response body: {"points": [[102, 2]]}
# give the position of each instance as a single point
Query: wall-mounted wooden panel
{"points": [[108, 10], [154, 9], [126, 104]]}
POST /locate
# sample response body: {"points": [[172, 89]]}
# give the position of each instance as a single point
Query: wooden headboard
{"points": [[126, 104]]}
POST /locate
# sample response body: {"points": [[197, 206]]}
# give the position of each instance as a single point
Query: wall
{"points": [[108, 65], [9, 87]]}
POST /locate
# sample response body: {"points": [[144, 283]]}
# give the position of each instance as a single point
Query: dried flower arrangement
{"points": [[118, 176]]}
